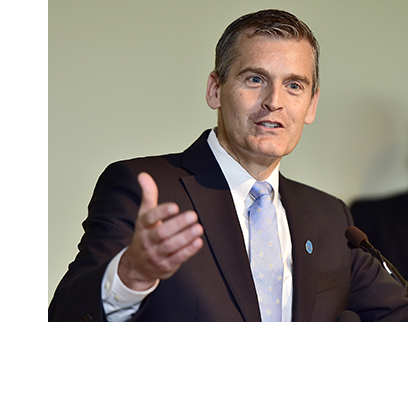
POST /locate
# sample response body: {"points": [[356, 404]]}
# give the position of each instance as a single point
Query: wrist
{"points": [[131, 277]]}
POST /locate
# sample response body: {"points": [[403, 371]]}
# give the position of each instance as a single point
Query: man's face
{"points": [[265, 101]]}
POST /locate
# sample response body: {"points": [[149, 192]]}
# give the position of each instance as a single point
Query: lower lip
{"points": [[270, 129]]}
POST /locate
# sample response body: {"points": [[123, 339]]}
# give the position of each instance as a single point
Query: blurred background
{"points": [[127, 78]]}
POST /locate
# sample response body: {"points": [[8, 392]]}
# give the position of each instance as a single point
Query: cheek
{"points": [[295, 138], [243, 101], [298, 115]]}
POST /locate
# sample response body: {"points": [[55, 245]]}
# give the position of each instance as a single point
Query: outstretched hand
{"points": [[163, 240]]}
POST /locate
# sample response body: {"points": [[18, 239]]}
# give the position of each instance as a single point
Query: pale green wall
{"points": [[127, 78]]}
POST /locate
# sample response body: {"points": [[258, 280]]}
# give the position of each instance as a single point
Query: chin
{"points": [[271, 148]]}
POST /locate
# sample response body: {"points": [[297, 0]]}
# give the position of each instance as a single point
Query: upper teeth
{"points": [[270, 125]]}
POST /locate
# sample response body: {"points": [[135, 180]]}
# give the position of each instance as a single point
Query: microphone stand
{"points": [[388, 266]]}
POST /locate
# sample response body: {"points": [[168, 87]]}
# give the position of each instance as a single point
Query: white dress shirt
{"points": [[240, 183], [120, 302]]}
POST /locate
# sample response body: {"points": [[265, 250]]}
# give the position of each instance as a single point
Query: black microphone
{"points": [[348, 316], [359, 239]]}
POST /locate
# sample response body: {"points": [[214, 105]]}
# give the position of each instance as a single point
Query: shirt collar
{"points": [[239, 180]]}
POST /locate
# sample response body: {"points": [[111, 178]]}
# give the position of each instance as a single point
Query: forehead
{"points": [[272, 54]]}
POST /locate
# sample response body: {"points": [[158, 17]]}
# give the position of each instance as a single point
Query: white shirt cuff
{"points": [[119, 301]]}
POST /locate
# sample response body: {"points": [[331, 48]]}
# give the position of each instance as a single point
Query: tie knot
{"points": [[261, 188]]}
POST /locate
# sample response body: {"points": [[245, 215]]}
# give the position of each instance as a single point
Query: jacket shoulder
{"points": [[307, 192]]}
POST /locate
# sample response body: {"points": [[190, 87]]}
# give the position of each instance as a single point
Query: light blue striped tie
{"points": [[265, 252]]}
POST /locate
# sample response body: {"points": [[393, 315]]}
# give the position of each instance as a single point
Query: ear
{"points": [[213, 91], [311, 112]]}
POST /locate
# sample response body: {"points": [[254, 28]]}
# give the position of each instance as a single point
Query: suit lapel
{"points": [[212, 200], [302, 229], [211, 197]]}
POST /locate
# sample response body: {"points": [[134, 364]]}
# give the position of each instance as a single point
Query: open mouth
{"points": [[270, 125]]}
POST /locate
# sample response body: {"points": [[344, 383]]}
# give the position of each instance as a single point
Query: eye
{"points": [[255, 80], [294, 86]]}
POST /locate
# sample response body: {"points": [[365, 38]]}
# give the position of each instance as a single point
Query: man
{"points": [[187, 257]]}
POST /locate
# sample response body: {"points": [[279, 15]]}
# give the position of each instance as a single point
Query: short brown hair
{"points": [[276, 23]]}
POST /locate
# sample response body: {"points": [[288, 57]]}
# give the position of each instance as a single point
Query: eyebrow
{"points": [[291, 77]]}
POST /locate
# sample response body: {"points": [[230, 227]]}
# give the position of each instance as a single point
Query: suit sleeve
{"points": [[107, 230]]}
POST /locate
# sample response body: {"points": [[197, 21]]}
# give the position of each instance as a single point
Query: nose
{"points": [[272, 98]]}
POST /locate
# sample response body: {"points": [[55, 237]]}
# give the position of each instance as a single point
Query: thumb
{"points": [[150, 192]]}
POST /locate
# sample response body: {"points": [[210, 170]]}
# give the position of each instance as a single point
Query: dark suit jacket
{"points": [[385, 221], [216, 284]]}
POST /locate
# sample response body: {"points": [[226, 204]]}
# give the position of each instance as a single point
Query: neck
{"points": [[260, 168]]}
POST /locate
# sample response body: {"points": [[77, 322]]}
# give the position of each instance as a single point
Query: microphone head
{"points": [[355, 236], [348, 316]]}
